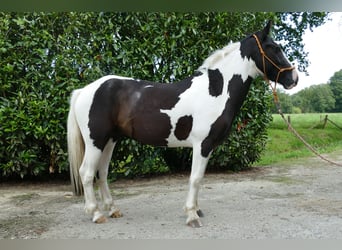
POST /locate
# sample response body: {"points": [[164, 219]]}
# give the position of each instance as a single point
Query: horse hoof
{"points": [[101, 220], [98, 217], [195, 224], [200, 213], [116, 214]]}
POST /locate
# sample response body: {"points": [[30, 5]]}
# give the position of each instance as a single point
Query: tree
{"points": [[44, 56], [291, 27], [286, 103], [301, 100], [322, 99], [335, 84], [316, 98]]}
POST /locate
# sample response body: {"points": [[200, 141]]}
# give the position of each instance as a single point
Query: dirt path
{"points": [[298, 200]]}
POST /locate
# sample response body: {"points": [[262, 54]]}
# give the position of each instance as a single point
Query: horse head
{"points": [[270, 59]]}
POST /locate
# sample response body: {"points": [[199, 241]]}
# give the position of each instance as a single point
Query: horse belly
{"points": [[155, 129], [151, 128]]}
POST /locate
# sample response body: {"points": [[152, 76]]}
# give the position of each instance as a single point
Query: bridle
{"points": [[264, 56], [277, 103]]}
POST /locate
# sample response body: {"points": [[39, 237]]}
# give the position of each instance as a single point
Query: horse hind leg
{"points": [[104, 191], [87, 172]]}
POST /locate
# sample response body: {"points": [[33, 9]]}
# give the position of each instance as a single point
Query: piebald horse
{"points": [[196, 112]]}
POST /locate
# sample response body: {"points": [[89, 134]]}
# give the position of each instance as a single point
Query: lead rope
{"points": [[277, 103], [313, 150]]}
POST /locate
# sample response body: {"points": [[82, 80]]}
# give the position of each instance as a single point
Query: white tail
{"points": [[75, 146]]}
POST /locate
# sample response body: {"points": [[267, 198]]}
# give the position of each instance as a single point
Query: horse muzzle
{"points": [[294, 80]]}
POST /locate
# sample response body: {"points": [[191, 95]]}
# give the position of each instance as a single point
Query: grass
{"points": [[282, 145]]}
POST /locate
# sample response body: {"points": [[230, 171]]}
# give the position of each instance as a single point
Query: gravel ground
{"points": [[297, 200]]}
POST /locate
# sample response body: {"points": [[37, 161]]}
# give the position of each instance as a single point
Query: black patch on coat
{"points": [[215, 82], [183, 127], [104, 107], [248, 47], [131, 108], [220, 129]]}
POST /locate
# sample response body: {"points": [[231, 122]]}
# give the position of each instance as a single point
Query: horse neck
{"points": [[238, 73], [234, 64]]}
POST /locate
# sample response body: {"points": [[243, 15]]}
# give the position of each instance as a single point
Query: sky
{"points": [[324, 45]]}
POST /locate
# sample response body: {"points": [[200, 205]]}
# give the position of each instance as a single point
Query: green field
{"points": [[283, 145]]}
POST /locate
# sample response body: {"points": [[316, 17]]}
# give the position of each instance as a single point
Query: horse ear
{"points": [[266, 30]]}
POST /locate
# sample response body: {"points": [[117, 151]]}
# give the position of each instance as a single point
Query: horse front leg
{"points": [[199, 164]]}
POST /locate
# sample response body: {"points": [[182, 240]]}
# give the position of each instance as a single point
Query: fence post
{"points": [[289, 121], [325, 121]]}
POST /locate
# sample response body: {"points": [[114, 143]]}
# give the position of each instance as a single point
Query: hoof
{"points": [[98, 218], [195, 223], [101, 220], [115, 214], [193, 218], [200, 213]]}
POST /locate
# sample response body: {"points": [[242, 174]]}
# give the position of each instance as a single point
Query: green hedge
{"points": [[44, 56]]}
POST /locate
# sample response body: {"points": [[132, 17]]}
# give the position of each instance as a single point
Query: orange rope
{"points": [[312, 149], [277, 103]]}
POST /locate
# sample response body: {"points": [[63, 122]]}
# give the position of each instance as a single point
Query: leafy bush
{"points": [[132, 159], [44, 56]]}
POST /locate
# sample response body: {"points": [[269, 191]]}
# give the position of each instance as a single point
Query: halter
{"points": [[263, 54], [276, 101]]}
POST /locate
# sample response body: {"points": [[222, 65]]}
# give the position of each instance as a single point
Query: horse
{"points": [[196, 112]]}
